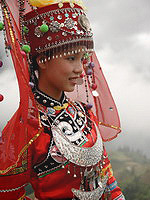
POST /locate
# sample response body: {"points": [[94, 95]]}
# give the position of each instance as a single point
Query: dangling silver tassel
{"points": [[74, 175], [68, 170]]}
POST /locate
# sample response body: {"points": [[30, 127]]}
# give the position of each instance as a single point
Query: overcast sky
{"points": [[122, 41]]}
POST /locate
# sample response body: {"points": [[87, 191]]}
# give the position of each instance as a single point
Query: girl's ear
{"points": [[41, 61]]}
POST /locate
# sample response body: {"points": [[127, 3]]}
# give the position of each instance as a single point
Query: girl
{"points": [[55, 140]]}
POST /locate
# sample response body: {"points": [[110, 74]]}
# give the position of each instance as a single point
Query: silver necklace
{"points": [[81, 156]]}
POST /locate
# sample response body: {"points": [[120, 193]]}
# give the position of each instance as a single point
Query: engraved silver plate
{"points": [[81, 156], [69, 23], [91, 195], [84, 22], [67, 130], [37, 32]]}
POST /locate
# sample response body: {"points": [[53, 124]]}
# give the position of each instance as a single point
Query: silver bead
{"points": [[59, 17], [49, 38], [74, 175]]}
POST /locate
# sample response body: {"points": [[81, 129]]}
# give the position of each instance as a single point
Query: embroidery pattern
{"points": [[13, 189]]}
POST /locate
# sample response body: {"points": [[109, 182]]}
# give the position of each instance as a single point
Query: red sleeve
{"points": [[12, 183], [112, 192], [11, 187]]}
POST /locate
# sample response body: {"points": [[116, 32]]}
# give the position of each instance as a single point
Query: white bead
{"points": [[74, 175]]}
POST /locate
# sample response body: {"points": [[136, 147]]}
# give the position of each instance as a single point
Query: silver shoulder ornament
{"points": [[80, 156]]}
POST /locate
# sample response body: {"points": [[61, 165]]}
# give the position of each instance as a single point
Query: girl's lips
{"points": [[73, 80]]}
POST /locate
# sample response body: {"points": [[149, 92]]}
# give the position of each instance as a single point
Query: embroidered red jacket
{"points": [[42, 162]]}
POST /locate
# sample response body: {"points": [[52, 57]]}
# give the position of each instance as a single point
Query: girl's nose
{"points": [[78, 68]]}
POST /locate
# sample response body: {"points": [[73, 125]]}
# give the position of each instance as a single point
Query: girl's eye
{"points": [[71, 58], [82, 59]]}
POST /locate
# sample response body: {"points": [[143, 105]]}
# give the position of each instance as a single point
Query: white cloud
{"points": [[143, 39]]}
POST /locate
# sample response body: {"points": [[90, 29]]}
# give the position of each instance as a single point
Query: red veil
{"points": [[15, 136], [24, 127]]}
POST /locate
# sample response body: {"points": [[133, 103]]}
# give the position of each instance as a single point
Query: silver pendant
{"points": [[81, 156], [91, 195]]}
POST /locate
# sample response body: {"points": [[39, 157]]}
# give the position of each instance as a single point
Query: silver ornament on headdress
{"points": [[84, 22]]}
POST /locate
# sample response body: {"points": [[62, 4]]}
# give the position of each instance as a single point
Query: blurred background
{"points": [[122, 42]]}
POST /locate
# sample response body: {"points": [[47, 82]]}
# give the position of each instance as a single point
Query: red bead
{"points": [[23, 53], [84, 61], [1, 63], [1, 97], [94, 86], [82, 75]]}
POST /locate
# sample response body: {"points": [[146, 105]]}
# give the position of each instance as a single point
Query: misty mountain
{"points": [[135, 142]]}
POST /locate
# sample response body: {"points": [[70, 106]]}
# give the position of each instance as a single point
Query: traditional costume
{"points": [[57, 146]]}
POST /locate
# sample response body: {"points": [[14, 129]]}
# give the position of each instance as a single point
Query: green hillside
{"points": [[132, 171]]}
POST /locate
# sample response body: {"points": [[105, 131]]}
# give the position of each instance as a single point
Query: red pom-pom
{"points": [[1, 63], [82, 75], [94, 86], [23, 54], [85, 61], [1, 97]]}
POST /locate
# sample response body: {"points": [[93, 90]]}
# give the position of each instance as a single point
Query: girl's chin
{"points": [[70, 89]]}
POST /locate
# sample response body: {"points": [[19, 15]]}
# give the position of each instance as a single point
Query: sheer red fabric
{"points": [[103, 105], [15, 137], [24, 127]]}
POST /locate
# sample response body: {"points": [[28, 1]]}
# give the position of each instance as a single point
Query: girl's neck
{"points": [[52, 93]]}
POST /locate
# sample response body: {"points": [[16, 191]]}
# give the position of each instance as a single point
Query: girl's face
{"points": [[60, 74]]}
